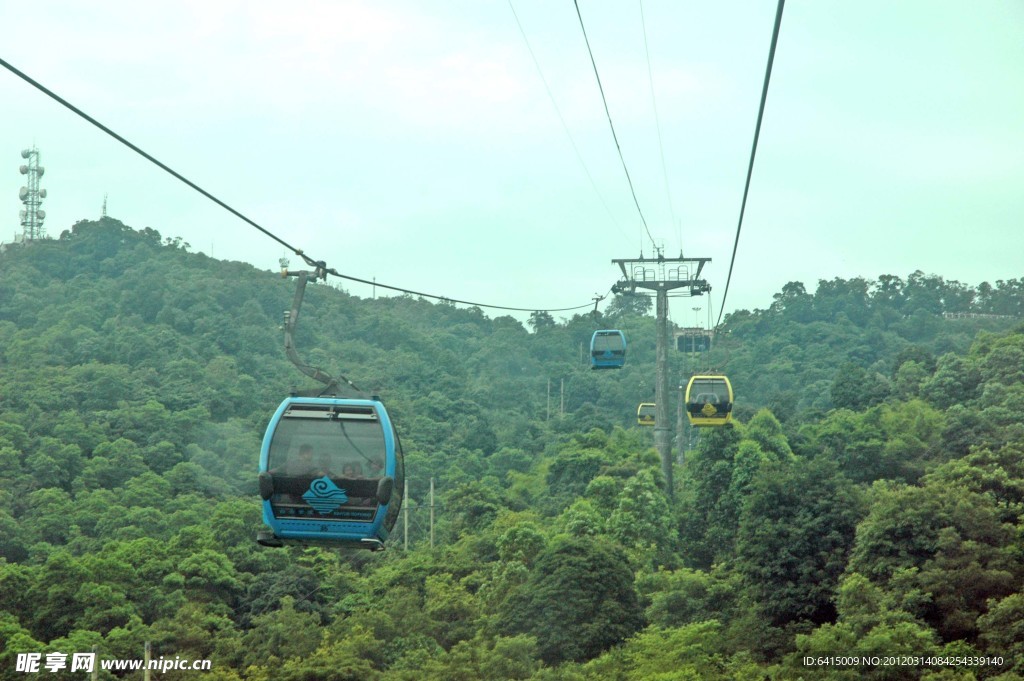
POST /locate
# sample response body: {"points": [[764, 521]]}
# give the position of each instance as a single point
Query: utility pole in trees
{"points": [[680, 438], [548, 418], [661, 275]]}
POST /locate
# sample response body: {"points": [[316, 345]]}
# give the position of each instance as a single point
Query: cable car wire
{"points": [[610, 124], [565, 126], [335, 273], [148, 157], [657, 125], [753, 152], [297, 251]]}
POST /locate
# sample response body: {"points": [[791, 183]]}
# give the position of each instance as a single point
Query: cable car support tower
{"points": [[661, 275]]}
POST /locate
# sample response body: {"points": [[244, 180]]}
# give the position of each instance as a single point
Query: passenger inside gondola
{"points": [[363, 489], [302, 462], [325, 465], [294, 475]]}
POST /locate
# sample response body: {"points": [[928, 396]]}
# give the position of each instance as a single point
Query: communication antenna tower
{"points": [[32, 196], [104, 206]]}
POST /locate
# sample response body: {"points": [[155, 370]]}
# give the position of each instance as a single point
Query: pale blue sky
{"points": [[416, 143]]}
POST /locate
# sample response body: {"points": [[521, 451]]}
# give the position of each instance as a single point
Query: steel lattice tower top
{"points": [[32, 196]]}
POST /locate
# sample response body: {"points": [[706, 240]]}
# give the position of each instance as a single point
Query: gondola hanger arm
{"points": [[291, 319]]}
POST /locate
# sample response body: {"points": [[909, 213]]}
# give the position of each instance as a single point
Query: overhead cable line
{"points": [[142, 153], [453, 300], [565, 125], [753, 152], [657, 125], [319, 265], [610, 124]]}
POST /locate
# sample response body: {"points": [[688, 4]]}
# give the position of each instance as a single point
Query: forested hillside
{"points": [[868, 499]]}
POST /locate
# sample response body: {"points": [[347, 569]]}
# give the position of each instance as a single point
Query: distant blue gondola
{"points": [[607, 349], [331, 472]]}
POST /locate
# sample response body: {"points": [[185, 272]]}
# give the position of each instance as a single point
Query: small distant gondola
{"points": [[607, 349], [709, 401], [645, 414], [693, 341]]}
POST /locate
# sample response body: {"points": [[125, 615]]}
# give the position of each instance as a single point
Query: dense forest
{"points": [[867, 500]]}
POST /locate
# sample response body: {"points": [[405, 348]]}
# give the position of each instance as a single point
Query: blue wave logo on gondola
{"points": [[324, 495]]}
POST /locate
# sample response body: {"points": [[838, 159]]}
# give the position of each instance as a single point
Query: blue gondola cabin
{"points": [[607, 349], [331, 472]]}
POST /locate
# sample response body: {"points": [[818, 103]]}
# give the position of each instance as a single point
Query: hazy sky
{"points": [[416, 142]]}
